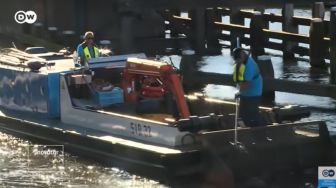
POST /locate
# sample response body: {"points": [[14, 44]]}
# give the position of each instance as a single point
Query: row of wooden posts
{"points": [[205, 29]]}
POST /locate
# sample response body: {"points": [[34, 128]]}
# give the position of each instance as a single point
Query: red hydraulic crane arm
{"points": [[177, 89], [171, 80]]}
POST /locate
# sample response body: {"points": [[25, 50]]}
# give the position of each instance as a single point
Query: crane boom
{"points": [[137, 71]]}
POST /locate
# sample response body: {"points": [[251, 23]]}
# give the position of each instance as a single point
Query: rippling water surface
{"points": [[17, 169]]}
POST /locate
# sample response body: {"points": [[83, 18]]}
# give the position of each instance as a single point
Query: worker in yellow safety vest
{"points": [[87, 49], [246, 75]]}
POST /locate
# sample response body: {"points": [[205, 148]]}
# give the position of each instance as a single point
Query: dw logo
{"points": [[328, 173], [326, 176], [29, 17]]}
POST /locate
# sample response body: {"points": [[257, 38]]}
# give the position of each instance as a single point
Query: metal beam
{"points": [[290, 86], [186, 4]]}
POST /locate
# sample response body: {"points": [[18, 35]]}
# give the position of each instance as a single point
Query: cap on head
{"points": [[236, 53], [88, 34]]}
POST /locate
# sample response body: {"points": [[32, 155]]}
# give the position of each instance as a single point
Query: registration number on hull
{"points": [[140, 129]]}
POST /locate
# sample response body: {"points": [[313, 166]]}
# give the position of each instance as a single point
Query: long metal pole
{"points": [[236, 122]]}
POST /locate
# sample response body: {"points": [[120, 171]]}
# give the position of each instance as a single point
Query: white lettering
{"points": [[46, 152], [29, 17]]}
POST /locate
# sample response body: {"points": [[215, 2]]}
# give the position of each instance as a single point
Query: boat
{"points": [[132, 112]]}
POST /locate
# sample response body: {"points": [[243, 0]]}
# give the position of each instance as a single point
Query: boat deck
{"points": [[131, 109], [58, 65]]}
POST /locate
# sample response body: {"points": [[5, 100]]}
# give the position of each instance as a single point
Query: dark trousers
{"points": [[249, 111]]}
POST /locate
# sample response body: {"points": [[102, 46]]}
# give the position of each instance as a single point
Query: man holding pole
{"points": [[247, 76]]}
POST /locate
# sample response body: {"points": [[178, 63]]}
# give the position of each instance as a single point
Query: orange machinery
{"points": [[152, 79]]}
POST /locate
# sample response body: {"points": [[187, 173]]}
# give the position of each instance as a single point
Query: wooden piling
{"points": [[235, 18], [173, 27], [52, 35], [266, 70], [188, 62], [318, 10], [188, 66], [198, 28], [288, 26], [332, 35], [69, 38], [257, 36], [38, 29], [26, 28], [82, 9], [126, 33], [317, 46], [212, 15]]}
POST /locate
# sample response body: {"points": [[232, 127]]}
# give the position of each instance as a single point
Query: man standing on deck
{"points": [[87, 49], [247, 76]]}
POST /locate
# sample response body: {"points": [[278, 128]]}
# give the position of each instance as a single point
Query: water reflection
{"points": [[17, 170]]}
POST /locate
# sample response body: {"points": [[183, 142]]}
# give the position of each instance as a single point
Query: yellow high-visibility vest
{"points": [[87, 52], [241, 72]]}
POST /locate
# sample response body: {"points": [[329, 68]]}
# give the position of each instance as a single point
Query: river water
{"points": [[19, 168]]}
